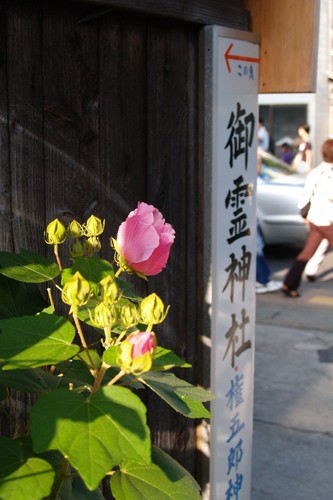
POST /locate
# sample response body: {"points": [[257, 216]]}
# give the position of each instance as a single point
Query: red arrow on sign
{"points": [[238, 58]]}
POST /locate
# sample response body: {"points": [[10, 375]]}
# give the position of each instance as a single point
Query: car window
{"points": [[274, 168]]}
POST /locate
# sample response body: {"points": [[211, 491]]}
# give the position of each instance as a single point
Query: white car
{"points": [[279, 189]]}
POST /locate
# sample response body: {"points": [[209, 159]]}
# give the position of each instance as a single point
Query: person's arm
{"points": [[308, 159]]}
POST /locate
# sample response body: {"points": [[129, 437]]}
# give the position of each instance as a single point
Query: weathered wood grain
{"points": [[167, 170], [224, 13], [6, 233], [123, 121], [25, 108]]}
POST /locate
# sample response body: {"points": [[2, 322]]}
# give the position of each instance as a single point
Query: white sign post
{"points": [[230, 171]]}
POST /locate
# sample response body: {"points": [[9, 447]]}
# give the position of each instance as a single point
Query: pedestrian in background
{"points": [[303, 159], [318, 191], [263, 136], [286, 155]]}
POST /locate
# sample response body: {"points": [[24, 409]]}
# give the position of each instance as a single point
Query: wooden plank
{"points": [[71, 104], [167, 169], [26, 124], [192, 183], [6, 233], [23, 174], [224, 13], [289, 44], [123, 122]]}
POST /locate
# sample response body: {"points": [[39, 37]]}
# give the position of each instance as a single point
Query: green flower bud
{"points": [[77, 250], [129, 315], [92, 245], [55, 233], [76, 291], [74, 230], [103, 316], [94, 226], [152, 310], [110, 292]]}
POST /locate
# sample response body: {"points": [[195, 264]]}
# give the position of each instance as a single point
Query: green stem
{"points": [[107, 333], [83, 340], [8, 416], [57, 286], [121, 336], [99, 377], [14, 413], [61, 478], [57, 256], [117, 377], [130, 382]]}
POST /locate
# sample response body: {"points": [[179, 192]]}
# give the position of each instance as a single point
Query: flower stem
{"points": [[117, 377], [83, 341], [50, 296], [57, 256], [61, 478], [99, 377], [118, 272]]}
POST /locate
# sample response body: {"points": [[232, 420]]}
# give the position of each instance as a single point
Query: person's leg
{"points": [[263, 271], [311, 269], [293, 278]]}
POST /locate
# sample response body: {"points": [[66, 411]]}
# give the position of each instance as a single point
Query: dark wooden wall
{"points": [[98, 112]]}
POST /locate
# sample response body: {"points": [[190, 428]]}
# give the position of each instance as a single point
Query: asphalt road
{"points": [[293, 395]]}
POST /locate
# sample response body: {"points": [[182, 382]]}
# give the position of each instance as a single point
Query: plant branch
{"points": [[14, 413], [99, 377], [117, 377], [57, 256], [83, 341], [61, 478]]}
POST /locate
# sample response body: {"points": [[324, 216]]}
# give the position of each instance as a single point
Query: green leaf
{"points": [[127, 290], [96, 434], [110, 355], [35, 381], [92, 269], [33, 341], [19, 299], [164, 360], [182, 396], [22, 477], [79, 372], [81, 492], [28, 267], [163, 479]]}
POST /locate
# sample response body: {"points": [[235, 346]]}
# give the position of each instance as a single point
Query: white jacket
{"points": [[318, 190]]}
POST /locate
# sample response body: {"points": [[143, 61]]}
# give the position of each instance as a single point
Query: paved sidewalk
{"points": [[293, 397]]}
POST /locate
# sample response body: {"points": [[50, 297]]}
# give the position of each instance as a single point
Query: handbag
{"points": [[305, 210]]}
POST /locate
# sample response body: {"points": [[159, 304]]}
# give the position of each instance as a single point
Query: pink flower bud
{"points": [[144, 240], [137, 352], [142, 343]]}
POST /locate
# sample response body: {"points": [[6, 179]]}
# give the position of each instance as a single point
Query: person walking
{"points": [[318, 191]]}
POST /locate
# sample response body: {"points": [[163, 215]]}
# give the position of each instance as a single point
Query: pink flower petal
{"points": [[159, 257], [136, 239], [142, 343]]}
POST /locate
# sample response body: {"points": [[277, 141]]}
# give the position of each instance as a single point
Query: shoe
{"points": [[271, 286], [311, 278], [290, 293]]}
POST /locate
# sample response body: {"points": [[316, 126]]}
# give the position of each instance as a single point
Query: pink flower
{"points": [[142, 343], [144, 240], [137, 351]]}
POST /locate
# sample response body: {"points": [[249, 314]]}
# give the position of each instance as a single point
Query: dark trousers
{"points": [[316, 235]]}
